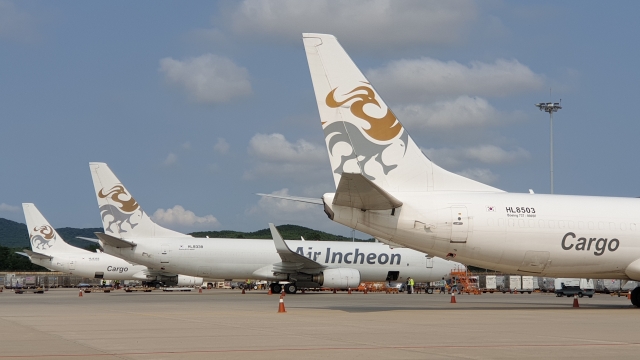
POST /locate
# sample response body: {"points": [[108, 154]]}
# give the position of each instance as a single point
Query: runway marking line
{"points": [[321, 349]]}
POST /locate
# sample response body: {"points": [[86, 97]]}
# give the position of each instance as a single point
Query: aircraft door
{"points": [[429, 261], [459, 224], [164, 254]]}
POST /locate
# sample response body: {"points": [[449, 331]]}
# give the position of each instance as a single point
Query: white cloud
{"points": [[378, 24], [8, 208], [181, 217], [464, 112], [208, 78], [486, 154], [222, 146], [425, 79], [171, 159], [274, 156], [15, 24], [484, 176]]}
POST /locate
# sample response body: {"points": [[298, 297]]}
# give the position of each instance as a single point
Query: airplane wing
{"points": [[356, 191], [315, 201], [30, 254], [292, 262], [114, 241], [390, 243]]}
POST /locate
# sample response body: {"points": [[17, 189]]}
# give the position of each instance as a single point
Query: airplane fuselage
{"points": [[255, 259], [92, 265], [550, 235]]}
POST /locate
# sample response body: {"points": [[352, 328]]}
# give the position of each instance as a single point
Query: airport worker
{"points": [[411, 285]]}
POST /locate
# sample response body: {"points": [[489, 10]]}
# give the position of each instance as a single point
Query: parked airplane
{"points": [[129, 233], [387, 187], [49, 250]]}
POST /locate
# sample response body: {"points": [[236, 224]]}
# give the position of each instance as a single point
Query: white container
{"points": [[514, 282], [491, 282], [527, 284]]}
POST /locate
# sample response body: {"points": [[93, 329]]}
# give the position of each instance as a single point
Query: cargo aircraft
{"points": [[49, 250], [129, 233], [388, 188]]}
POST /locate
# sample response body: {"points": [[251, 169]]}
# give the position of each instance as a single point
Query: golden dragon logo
{"points": [[115, 192], [381, 129], [123, 209], [43, 237]]}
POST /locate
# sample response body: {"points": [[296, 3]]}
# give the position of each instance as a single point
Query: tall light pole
{"points": [[550, 108]]}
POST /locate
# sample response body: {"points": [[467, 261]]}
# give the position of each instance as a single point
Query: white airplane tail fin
{"points": [[43, 237], [122, 216], [362, 134]]}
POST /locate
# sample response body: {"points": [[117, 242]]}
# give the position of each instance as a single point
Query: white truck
{"points": [[572, 286]]}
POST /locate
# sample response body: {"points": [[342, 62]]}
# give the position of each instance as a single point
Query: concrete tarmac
{"points": [[224, 324]]}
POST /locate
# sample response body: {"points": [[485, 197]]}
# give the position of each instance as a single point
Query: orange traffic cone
{"points": [[281, 306], [334, 291], [200, 291], [242, 291], [453, 297], [80, 293], [270, 293], [575, 301], [365, 290], [629, 295], [349, 291]]}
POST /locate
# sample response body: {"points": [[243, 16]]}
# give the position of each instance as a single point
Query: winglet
{"points": [[291, 260], [356, 191]]}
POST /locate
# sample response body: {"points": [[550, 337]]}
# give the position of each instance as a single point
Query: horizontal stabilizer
{"points": [[390, 243], [114, 241], [88, 239], [356, 191], [35, 255], [291, 261], [316, 201]]}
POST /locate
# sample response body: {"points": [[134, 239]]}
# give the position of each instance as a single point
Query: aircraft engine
{"points": [[340, 278], [178, 280], [184, 280]]}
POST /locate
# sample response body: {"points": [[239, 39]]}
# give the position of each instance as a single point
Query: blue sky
{"points": [[197, 106]]}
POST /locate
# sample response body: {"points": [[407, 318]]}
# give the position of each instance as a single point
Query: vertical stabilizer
{"points": [[43, 237], [121, 214], [362, 134]]}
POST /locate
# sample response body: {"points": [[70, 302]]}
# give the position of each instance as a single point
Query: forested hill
{"points": [[15, 235], [288, 232]]}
